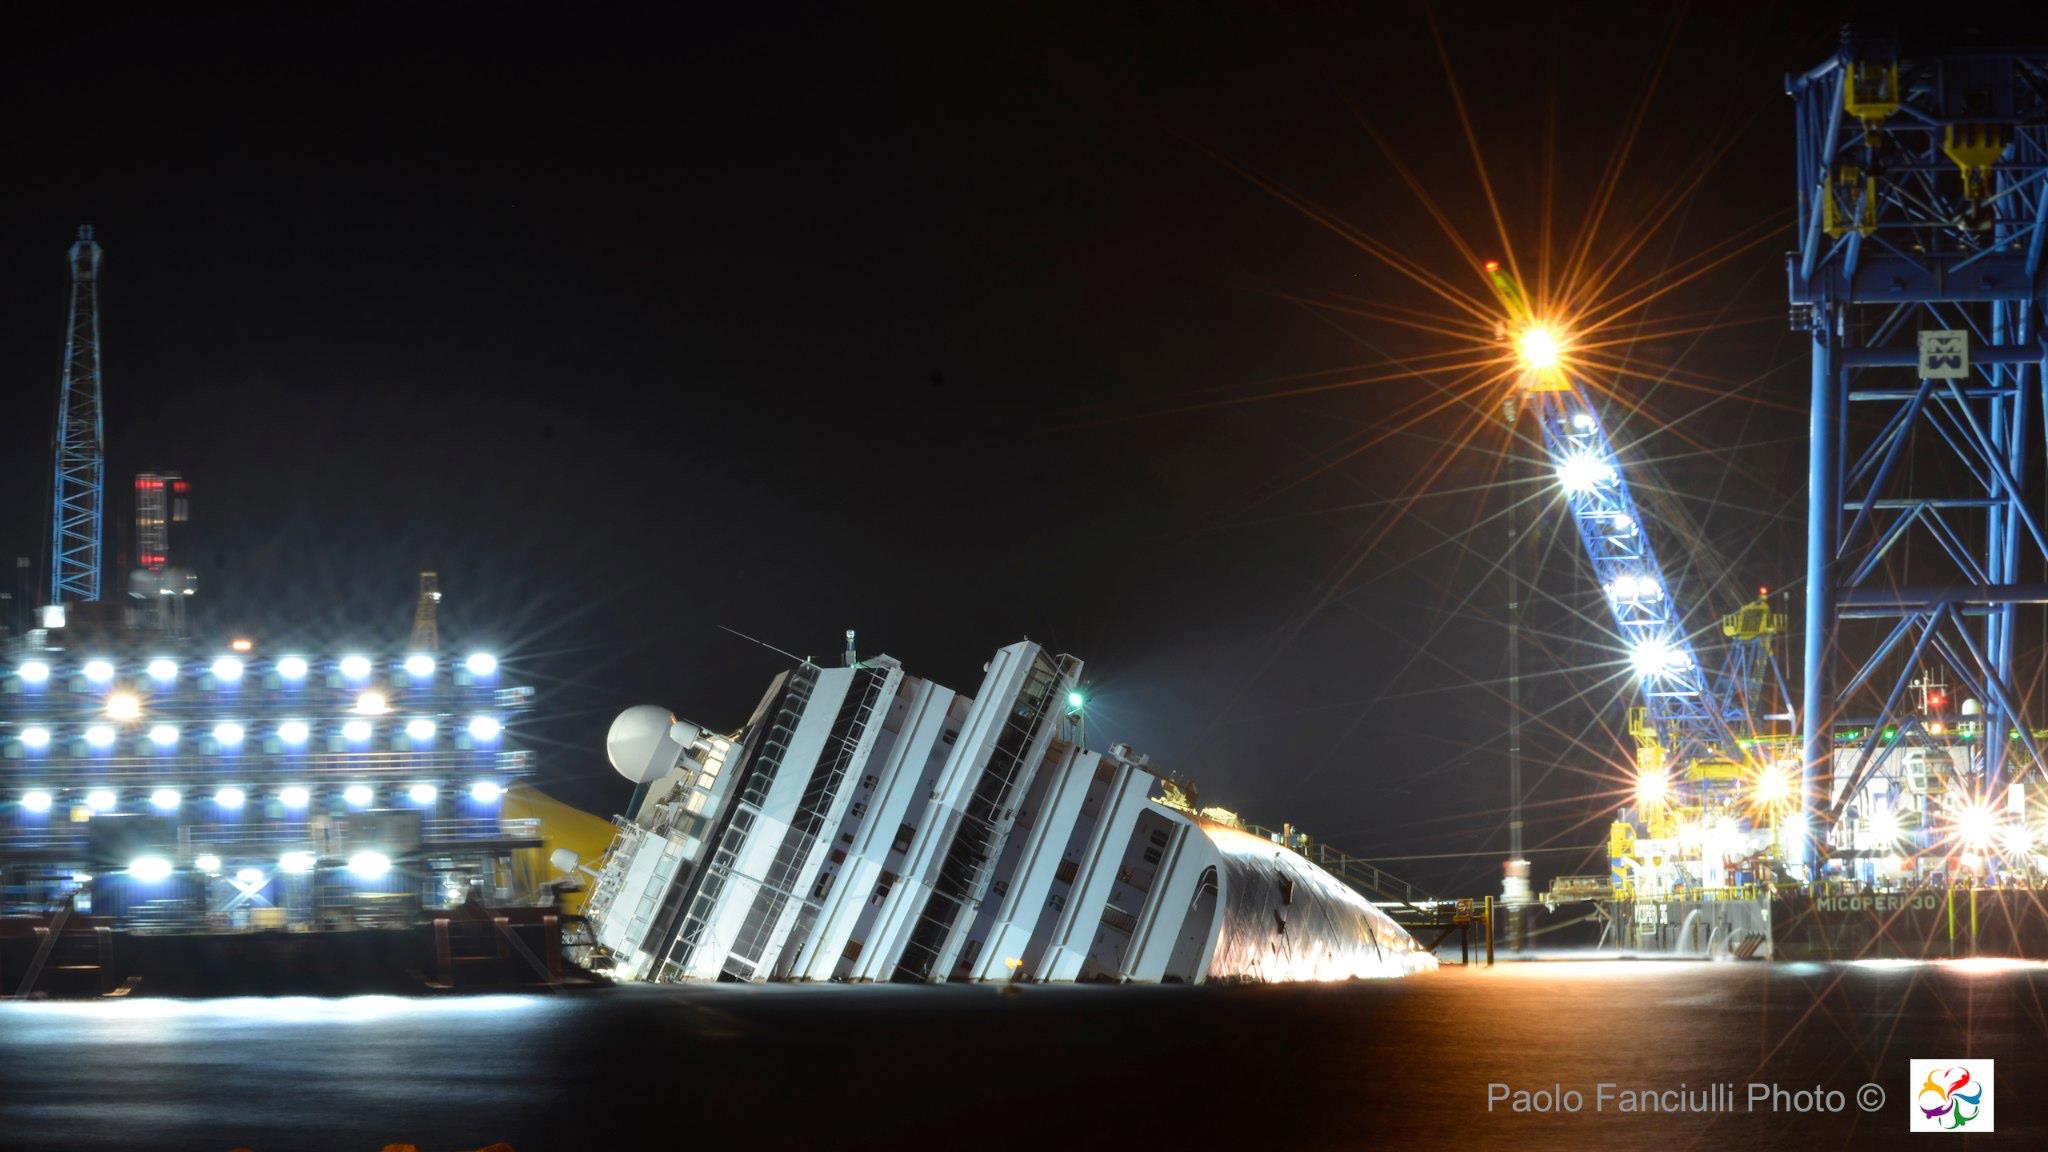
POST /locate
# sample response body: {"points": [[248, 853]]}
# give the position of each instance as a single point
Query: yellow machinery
{"points": [[561, 826]]}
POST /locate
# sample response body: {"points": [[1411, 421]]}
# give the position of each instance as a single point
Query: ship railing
{"points": [[1732, 892], [1353, 870], [268, 832]]}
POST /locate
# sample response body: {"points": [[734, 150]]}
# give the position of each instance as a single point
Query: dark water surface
{"points": [[1395, 1064]]}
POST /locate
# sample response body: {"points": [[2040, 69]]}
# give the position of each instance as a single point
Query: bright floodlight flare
{"points": [[291, 668], [1651, 788], [293, 732], [99, 671], [1976, 826], [163, 671], [294, 796], [481, 664], [35, 736], [485, 728], [1773, 786], [2017, 840], [356, 731], [369, 865], [419, 666], [423, 793], [358, 795], [485, 792], [100, 736], [36, 800], [123, 706], [1582, 472], [163, 735], [297, 863], [208, 863], [101, 799], [372, 703], [1629, 588], [165, 799], [150, 869], [35, 672], [1884, 825], [420, 728], [249, 877], [242, 644], [227, 669], [355, 667], [1537, 347], [1653, 656], [227, 734], [230, 798]]}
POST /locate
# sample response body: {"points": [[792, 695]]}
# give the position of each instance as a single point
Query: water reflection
{"points": [[812, 1067]]}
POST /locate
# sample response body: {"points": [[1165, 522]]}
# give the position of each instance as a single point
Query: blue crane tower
{"points": [[79, 490], [1922, 215], [1703, 744]]}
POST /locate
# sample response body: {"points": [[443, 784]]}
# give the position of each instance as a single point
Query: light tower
{"points": [[426, 615], [1923, 209], [79, 488]]}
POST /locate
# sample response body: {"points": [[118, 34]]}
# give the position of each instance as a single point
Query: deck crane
{"points": [[1713, 775]]}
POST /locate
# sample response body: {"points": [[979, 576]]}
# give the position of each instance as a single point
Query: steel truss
{"points": [[1922, 209]]}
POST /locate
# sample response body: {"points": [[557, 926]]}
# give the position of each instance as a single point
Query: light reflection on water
{"points": [[279, 1009], [908, 1068]]}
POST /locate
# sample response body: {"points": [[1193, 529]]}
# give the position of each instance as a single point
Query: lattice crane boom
{"points": [[79, 487]]}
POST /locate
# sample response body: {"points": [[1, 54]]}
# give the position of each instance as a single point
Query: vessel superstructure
{"points": [[869, 825]]}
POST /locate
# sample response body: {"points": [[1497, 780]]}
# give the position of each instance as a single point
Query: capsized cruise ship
{"points": [[870, 825]]}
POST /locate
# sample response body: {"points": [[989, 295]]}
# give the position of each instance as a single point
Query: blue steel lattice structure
{"points": [[1689, 717], [1624, 561], [79, 487], [1922, 213]]}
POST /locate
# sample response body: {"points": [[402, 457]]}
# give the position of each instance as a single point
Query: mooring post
{"points": [[1951, 888]]}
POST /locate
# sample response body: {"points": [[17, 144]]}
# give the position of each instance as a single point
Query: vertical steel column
{"points": [[1511, 561], [1823, 539]]}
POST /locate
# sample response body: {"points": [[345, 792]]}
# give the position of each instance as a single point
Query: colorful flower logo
{"points": [[1949, 1097]]}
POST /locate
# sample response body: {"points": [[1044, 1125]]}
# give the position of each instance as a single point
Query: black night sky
{"points": [[950, 330]]}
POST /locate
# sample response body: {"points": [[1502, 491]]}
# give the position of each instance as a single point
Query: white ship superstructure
{"points": [[869, 825]]}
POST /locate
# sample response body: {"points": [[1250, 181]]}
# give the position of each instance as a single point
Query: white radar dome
{"points": [[639, 745]]}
